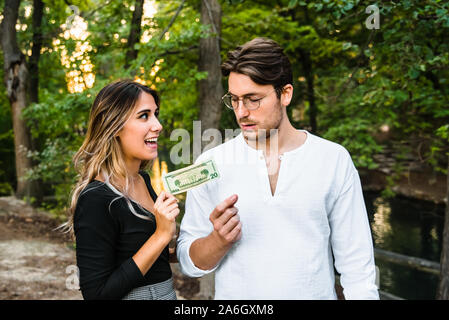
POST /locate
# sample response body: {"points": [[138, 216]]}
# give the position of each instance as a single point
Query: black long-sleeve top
{"points": [[108, 234]]}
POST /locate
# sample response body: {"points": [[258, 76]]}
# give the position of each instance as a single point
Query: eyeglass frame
{"points": [[242, 99]]}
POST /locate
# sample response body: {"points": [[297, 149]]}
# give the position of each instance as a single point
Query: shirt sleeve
{"points": [[96, 234], [195, 224], [351, 240]]}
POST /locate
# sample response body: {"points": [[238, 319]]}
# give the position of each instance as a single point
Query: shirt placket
{"points": [[264, 182]]}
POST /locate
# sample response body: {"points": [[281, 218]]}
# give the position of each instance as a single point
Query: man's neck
{"points": [[285, 139]]}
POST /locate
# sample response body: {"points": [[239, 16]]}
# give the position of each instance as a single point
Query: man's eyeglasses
{"points": [[250, 103]]}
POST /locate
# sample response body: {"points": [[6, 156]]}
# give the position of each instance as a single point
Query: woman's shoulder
{"points": [[96, 195], [97, 190], [94, 203]]}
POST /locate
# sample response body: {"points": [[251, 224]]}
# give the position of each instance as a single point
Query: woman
{"points": [[122, 228]]}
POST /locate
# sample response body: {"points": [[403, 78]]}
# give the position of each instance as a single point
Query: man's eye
{"points": [[254, 99]]}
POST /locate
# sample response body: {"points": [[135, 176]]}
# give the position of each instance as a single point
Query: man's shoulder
{"points": [[330, 152], [328, 146]]}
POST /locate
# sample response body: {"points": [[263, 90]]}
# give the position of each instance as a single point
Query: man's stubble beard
{"points": [[264, 134]]}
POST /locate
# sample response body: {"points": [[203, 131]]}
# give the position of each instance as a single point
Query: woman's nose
{"points": [[156, 126]]}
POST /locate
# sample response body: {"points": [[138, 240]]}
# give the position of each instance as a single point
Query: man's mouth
{"points": [[248, 126]]}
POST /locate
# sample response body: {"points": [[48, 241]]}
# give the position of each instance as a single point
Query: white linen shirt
{"points": [[287, 239]]}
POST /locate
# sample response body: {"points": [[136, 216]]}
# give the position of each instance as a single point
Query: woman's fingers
{"points": [[168, 204], [174, 213], [160, 199], [171, 207], [170, 201]]}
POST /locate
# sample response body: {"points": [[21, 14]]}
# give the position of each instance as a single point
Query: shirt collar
{"points": [[306, 143]]}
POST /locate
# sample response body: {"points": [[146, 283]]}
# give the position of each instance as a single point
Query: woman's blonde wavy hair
{"points": [[101, 152]]}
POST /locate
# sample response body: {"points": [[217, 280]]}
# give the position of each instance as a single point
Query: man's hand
{"points": [[208, 251], [226, 222]]}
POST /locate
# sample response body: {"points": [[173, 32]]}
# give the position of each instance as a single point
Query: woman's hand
{"points": [[166, 210]]}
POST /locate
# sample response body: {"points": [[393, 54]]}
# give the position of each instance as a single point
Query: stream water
{"points": [[411, 227]]}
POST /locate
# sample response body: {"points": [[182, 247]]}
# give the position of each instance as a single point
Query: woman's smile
{"points": [[151, 143]]}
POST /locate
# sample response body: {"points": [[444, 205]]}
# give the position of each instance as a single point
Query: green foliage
{"points": [[357, 137], [62, 124]]}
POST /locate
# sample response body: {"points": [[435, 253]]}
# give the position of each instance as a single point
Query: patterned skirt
{"points": [[158, 291]]}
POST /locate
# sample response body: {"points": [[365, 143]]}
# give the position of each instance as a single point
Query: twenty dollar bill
{"points": [[190, 177]]}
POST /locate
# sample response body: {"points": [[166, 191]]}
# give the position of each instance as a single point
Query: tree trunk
{"points": [[16, 81], [38, 12], [210, 89], [443, 289], [134, 34], [38, 9]]}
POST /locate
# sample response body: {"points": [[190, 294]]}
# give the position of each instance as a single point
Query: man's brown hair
{"points": [[263, 60]]}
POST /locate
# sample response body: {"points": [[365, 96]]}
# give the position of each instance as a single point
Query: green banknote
{"points": [[190, 177]]}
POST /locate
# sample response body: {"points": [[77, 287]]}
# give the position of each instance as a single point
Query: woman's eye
{"points": [[144, 116]]}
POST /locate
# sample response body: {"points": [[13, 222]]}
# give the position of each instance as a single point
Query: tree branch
{"points": [[172, 20], [179, 51]]}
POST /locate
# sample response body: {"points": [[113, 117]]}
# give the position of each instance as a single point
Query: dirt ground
{"points": [[38, 263]]}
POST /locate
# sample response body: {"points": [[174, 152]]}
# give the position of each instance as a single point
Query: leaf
{"points": [[292, 3], [348, 6], [413, 73], [346, 45]]}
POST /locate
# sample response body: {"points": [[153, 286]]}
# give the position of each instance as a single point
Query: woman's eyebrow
{"points": [[145, 110]]}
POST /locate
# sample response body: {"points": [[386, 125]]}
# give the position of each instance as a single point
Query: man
{"points": [[288, 205]]}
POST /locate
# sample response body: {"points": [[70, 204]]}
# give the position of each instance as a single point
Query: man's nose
{"points": [[241, 111]]}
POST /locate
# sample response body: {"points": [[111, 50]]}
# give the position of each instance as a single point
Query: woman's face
{"points": [[139, 135]]}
